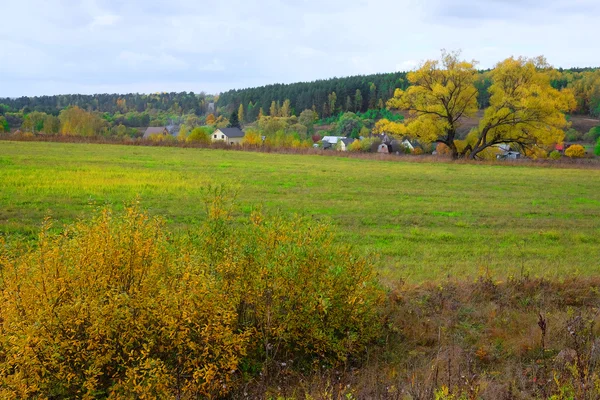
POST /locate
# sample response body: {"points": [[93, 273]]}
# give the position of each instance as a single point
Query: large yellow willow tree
{"points": [[524, 112], [440, 94]]}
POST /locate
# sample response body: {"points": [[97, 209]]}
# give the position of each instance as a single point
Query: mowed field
{"points": [[423, 220]]}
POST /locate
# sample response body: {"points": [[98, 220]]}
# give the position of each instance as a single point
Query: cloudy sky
{"points": [[100, 46]]}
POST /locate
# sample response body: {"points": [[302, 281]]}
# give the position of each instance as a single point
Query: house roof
{"points": [[232, 132], [331, 139], [347, 141], [153, 130]]}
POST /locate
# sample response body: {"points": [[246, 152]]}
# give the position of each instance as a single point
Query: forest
{"points": [[355, 93]]}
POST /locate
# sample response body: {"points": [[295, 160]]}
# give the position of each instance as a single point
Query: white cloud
{"points": [[87, 45]]}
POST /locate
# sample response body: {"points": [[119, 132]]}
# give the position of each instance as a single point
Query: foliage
{"points": [[555, 155], [572, 135], [252, 138], [349, 125], [4, 124], [597, 148], [75, 121], [441, 93], [234, 122], [114, 308], [162, 138], [304, 297], [210, 119], [308, 118], [240, 114], [593, 135], [173, 103], [199, 135], [524, 109], [119, 315], [222, 122], [306, 95], [370, 144], [270, 125], [183, 133], [355, 146], [575, 151]]}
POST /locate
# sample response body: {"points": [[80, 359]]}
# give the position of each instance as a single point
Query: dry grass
{"points": [[480, 340]]}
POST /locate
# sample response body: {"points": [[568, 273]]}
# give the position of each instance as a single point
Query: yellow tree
{"points": [[286, 109], [273, 110], [525, 110], [210, 119], [440, 95], [241, 114]]}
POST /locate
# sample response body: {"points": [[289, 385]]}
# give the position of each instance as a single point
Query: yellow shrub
{"points": [[296, 288], [417, 151], [575, 151], [115, 308], [107, 310], [161, 138], [355, 146], [252, 138]]}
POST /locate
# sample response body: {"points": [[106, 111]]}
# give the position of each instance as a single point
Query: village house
{"points": [[228, 135], [329, 142], [345, 143], [155, 130], [383, 148], [172, 130]]}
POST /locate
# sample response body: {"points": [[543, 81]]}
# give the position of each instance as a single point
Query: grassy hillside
{"points": [[426, 221]]}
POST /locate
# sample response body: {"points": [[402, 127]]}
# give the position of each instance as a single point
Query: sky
{"points": [[119, 46]]}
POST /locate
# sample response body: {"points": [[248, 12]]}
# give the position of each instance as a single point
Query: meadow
{"points": [[424, 221]]}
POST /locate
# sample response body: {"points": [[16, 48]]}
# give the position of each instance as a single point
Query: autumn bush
{"points": [[114, 307], [575, 151], [199, 135], [554, 155]]}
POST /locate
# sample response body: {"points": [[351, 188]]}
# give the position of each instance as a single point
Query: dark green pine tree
{"points": [[234, 121]]}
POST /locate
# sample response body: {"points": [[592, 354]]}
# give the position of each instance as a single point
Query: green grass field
{"points": [[425, 221]]}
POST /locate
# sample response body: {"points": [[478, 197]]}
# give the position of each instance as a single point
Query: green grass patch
{"points": [[426, 221]]}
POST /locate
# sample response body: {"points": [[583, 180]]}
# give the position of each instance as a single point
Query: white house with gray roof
{"points": [[228, 135]]}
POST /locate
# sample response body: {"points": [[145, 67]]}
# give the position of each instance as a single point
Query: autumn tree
{"points": [[440, 95], [308, 118], [183, 133], [192, 121], [199, 135], [240, 113], [525, 111], [332, 99], [75, 121], [286, 109], [3, 124], [51, 124], [252, 138], [210, 119], [372, 95], [273, 110]]}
